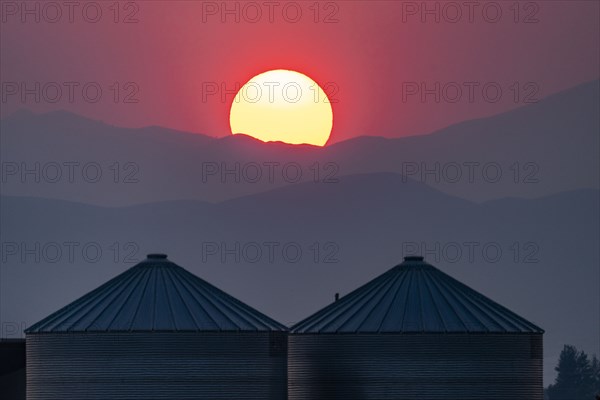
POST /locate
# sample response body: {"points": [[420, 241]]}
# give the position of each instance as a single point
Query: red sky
{"points": [[369, 50]]}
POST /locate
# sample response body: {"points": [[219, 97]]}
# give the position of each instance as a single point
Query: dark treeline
{"points": [[578, 377]]}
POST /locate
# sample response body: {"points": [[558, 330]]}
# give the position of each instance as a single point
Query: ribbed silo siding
{"points": [[142, 365], [415, 366]]}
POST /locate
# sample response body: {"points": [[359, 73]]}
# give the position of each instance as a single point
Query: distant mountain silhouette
{"points": [[547, 272], [539, 149]]}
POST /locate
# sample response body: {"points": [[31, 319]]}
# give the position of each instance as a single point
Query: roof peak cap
{"points": [[156, 256], [414, 258]]}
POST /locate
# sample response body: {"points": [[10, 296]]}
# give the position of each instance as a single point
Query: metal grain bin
{"points": [[415, 333], [156, 332]]}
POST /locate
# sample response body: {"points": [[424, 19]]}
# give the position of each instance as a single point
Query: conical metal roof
{"points": [[156, 295], [415, 297]]}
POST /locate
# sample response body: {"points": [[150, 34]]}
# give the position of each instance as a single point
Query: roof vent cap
{"points": [[157, 256]]}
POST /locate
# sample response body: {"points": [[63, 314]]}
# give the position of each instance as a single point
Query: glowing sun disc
{"points": [[282, 105]]}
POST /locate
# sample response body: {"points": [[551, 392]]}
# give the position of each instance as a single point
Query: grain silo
{"points": [[415, 333], [156, 332]]}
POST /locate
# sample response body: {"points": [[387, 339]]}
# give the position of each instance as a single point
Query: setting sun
{"points": [[282, 105]]}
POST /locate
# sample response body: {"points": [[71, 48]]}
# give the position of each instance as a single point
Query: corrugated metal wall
{"points": [[148, 365], [415, 366]]}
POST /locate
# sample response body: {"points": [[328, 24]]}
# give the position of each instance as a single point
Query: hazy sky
{"points": [[371, 56]]}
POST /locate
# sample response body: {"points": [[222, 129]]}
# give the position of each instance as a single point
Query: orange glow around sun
{"points": [[282, 105]]}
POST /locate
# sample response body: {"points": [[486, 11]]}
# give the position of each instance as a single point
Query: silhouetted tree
{"points": [[578, 377], [596, 374]]}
